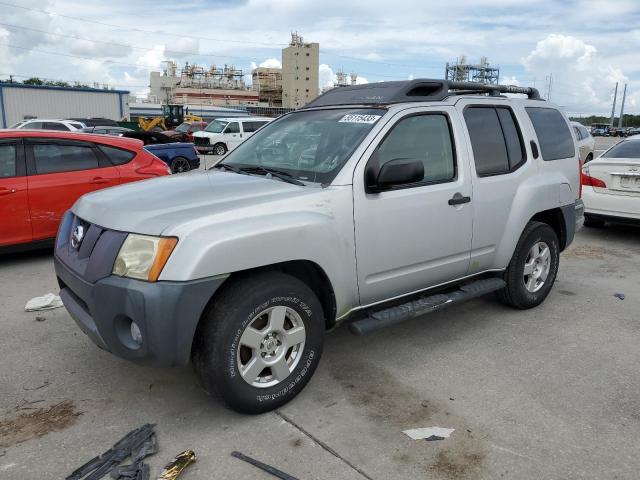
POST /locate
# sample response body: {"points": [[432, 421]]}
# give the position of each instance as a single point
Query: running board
{"points": [[422, 306]]}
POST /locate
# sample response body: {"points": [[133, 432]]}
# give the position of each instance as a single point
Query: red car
{"points": [[42, 173], [184, 132]]}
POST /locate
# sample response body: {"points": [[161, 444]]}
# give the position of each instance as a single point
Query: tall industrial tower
{"points": [[462, 71], [300, 72]]}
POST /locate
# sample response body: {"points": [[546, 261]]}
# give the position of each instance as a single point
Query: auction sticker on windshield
{"points": [[359, 118]]}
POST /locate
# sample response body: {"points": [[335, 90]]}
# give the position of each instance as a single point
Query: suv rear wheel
{"points": [[533, 268], [259, 342]]}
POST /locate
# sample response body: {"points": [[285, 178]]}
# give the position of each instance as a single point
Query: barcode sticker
{"points": [[359, 118]]}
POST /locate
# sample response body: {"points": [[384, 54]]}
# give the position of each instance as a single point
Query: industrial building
{"points": [[267, 81], [300, 72], [461, 71], [19, 102]]}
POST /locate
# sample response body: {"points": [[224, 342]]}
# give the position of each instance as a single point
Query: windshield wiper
{"points": [[230, 168], [287, 177]]}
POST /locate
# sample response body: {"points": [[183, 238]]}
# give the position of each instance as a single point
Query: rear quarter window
{"points": [[117, 156], [553, 133]]}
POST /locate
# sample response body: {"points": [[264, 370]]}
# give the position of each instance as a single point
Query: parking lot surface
{"points": [[552, 392]]}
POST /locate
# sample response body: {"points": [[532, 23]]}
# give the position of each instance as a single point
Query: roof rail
{"points": [[420, 90]]}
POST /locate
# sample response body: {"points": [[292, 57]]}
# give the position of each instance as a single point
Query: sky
{"points": [[584, 46]]}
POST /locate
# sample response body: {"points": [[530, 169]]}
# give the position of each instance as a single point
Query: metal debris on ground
{"points": [[46, 302], [434, 438], [177, 465], [263, 466], [428, 432], [138, 444], [619, 295]]}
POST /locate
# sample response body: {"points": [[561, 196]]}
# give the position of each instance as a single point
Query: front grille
{"points": [[201, 141]]}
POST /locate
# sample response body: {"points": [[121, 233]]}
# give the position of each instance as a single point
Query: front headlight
{"points": [[143, 257]]}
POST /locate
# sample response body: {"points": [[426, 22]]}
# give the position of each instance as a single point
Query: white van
{"points": [[224, 134]]}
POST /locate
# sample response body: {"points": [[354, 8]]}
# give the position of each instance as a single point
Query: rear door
{"points": [[60, 171], [15, 222]]}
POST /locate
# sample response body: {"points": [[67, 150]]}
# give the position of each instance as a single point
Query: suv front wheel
{"points": [[533, 267], [259, 342]]}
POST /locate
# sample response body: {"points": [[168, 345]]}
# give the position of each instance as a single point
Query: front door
{"points": [[232, 135], [412, 237], [15, 222], [60, 172]]}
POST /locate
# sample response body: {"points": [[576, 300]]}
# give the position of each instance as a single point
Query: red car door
{"points": [[15, 223], [61, 171]]}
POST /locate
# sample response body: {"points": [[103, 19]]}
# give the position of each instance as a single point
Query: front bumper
{"points": [[167, 313]]}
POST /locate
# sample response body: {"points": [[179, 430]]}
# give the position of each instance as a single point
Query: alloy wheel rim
{"points": [[537, 266], [219, 150], [180, 166], [271, 346]]}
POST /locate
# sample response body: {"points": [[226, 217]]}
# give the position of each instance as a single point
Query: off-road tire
{"points": [[591, 222], [219, 149], [214, 353], [515, 294]]}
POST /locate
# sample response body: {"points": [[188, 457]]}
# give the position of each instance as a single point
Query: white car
{"points": [[46, 124], [585, 142], [611, 185], [225, 134]]}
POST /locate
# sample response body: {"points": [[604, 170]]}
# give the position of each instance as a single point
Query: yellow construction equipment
{"points": [[172, 116]]}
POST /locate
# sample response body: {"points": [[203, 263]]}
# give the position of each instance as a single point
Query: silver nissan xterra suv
{"points": [[372, 205]]}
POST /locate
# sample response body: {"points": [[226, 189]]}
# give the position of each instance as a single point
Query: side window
{"points": [[495, 139], [55, 126], [585, 132], [117, 156], [7, 161], [53, 158], [553, 133], [34, 125], [422, 137], [578, 133], [233, 127]]}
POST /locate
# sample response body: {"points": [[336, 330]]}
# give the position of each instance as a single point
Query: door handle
{"points": [[459, 199], [7, 191], [99, 180]]}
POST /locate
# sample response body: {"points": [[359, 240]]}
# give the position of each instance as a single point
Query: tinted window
{"points": [[512, 138], [252, 126], [232, 128], [55, 126], [585, 132], [578, 133], [422, 137], [52, 158], [553, 133], [7, 161], [625, 149], [34, 125], [117, 156]]}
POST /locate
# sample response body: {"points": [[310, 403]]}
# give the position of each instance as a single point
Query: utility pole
{"points": [[624, 95], [613, 109]]}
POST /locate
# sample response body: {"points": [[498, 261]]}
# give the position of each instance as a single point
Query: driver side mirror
{"points": [[398, 171]]}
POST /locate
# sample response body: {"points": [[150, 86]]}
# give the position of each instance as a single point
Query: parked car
{"points": [[96, 122], [437, 197], [180, 157], [43, 173], [106, 130], [611, 185], [634, 131], [585, 142], [46, 124], [184, 132], [225, 134]]}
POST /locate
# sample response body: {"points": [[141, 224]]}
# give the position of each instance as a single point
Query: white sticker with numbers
{"points": [[359, 118]]}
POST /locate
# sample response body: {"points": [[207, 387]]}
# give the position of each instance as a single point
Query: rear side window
{"points": [[495, 139], [252, 126], [7, 161], [118, 156], [33, 125], [585, 132], [54, 158], [578, 133], [55, 126], [422, 137], [553, 133]]}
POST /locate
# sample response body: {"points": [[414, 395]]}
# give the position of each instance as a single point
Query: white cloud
{"points": [[326, 76], [361, 80], [182, 47], [271, 63], [152, 59]]}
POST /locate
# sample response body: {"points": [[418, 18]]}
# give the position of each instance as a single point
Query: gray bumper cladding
{"points": [[166, 314]]}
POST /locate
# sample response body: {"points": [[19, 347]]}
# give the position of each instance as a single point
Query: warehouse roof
{"points": [[67, 89]]}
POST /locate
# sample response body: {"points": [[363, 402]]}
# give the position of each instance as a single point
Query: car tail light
{"points": [[155, 167], [586, 179]]}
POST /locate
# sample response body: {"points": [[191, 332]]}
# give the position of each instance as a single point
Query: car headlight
{"points": [[143, 257]]}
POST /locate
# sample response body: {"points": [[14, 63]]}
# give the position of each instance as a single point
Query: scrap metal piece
{"points": [[263, 466], [177, 465]]}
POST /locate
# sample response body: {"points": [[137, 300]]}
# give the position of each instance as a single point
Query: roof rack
{"points": [[420, 90]]}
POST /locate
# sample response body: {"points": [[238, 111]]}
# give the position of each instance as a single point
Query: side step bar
{"points": [[390, 316]]}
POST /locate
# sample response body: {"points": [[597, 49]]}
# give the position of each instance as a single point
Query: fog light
{"points": [[136, 334]]}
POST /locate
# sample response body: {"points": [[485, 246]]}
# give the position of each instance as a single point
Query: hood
{"points": [[151, 206]]}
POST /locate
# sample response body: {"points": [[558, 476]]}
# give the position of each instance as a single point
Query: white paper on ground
{"points": [[46, 302], [420, 433]]}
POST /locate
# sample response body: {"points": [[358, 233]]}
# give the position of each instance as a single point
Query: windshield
{"points": [[217, 126], [309, 145], [183, 128], [626, 149]]}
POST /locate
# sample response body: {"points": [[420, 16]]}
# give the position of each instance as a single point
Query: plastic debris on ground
{"points": [[46, 302], [429, 433], [619, 295]]}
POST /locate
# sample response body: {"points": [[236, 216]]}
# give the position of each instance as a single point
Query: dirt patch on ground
{"points": [[453, 467], [592, 252], [37, 423]]}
